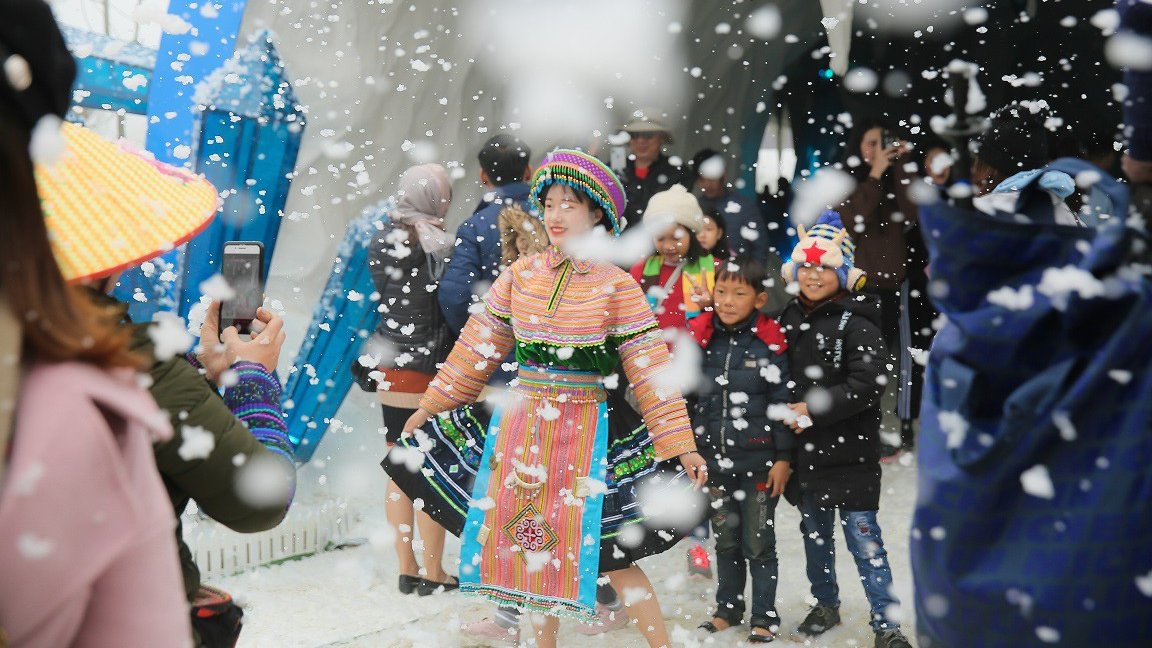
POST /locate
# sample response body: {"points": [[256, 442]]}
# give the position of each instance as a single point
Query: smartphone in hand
{"points": [[242, 266]]}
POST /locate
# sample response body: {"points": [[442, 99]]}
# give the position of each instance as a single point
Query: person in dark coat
{"points": [[747, 233], [405, 262], [648, 170], [749, 455], [880, 215], [836, 352], [505, 163]]}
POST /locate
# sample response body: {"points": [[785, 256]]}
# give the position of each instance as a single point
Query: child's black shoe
{"points": [[891, 639], [820, 619]]}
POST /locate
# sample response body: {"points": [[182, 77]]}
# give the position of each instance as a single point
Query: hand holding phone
{"points": [[219, 350]]}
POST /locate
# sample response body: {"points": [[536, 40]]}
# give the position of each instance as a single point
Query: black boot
{"points": [[891, 639], [820, 619]]}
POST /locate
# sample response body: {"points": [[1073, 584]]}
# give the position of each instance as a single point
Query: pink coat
{"points": [[87, 545]]}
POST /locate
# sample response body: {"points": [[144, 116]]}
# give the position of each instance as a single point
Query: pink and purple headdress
{"points": [[583, 173]]}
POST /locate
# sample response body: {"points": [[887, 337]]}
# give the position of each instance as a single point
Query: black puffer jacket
{"points": [[410, 318], [837, 355], [745, 372], [661, 175]]}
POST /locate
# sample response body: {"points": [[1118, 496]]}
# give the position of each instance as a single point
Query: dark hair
{"points": [[928, 143], [692, 173], [745, 269], [721, 249], [60, 322], [1016, 140], [695, 250], [855, 138], [931, 141], [583, 198], [505, 159]]}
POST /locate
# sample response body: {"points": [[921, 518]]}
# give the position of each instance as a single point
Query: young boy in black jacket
{"points": [[748, 454], [836, 350]]}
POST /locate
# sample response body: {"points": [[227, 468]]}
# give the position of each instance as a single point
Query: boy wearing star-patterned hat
{"points": [[838, 357], [826, 245]]}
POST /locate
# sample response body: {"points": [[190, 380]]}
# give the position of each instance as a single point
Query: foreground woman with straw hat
{"points": [[544, 491], [106, 208], [86, 545]]}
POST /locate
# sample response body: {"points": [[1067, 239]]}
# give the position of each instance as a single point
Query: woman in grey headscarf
{"points": [[406, 260]]}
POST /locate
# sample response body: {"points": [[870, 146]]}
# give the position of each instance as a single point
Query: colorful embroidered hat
{"points": [[109, 207], [584, 173], [827, 244]]}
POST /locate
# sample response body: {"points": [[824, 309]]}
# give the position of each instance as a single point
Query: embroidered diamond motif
{"points": [[529, 530]]}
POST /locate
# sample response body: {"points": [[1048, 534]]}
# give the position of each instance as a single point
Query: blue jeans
{"points": [[745, 544], [862, 535]]}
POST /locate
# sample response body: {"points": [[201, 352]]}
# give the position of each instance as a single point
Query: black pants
{"points": [[889, 318], [394, 420], [890, 314]]}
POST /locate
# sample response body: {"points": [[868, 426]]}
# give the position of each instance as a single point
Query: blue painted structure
{"points": [[181, 62], [248, 135], [344, 318], [106, 71]]}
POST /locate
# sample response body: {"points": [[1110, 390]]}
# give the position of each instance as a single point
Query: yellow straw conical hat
{"points": [[109, 207]]}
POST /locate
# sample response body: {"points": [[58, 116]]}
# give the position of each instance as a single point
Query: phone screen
{"points": [[242, 267]]}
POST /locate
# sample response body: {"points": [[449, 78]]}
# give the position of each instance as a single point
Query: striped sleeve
{"points": [[648, 365], [255, 400], [483, 344], [629, 313]]}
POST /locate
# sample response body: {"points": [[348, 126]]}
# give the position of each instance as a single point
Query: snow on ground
{"points": [[348, 598]]}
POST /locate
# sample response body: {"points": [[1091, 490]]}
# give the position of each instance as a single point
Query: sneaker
{"points": [[489, 629], [606, 620], [699, 563], [820, 619], [891, 639]]}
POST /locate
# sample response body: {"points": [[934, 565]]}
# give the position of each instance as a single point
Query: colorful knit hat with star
{"points": [[583, 173], [826, 244]]}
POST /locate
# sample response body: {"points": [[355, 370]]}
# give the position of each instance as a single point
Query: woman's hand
{"points": [[214, 355], [219, 350], [696, 468], [881, 162], [778, 476], [418, 418], [263, 347]]}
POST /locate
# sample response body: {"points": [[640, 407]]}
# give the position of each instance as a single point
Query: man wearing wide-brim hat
{"points": [[648, 170]]}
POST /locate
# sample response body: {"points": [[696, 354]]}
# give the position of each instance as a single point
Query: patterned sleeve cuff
{"points": [[674, 444], [434, 402], [255, 399], [193, 360]]}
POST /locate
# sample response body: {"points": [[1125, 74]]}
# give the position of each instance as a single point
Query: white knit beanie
{"points": [[675, 205]]}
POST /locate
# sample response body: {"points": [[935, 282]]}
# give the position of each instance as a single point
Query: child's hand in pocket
{"points": [[778, 476]]}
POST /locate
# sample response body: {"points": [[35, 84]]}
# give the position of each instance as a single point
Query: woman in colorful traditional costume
{"points": [[543, 492]]}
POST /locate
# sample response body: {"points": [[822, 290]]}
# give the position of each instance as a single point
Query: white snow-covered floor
{"points": [[349, 597]]}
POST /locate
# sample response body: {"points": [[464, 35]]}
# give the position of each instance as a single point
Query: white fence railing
{"points": [[308, 528]]}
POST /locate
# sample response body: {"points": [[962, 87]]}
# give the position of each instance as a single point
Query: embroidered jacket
{"points": [[568, 314]]}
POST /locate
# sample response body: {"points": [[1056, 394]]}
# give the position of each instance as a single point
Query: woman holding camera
{"points": [[881, 219]]}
